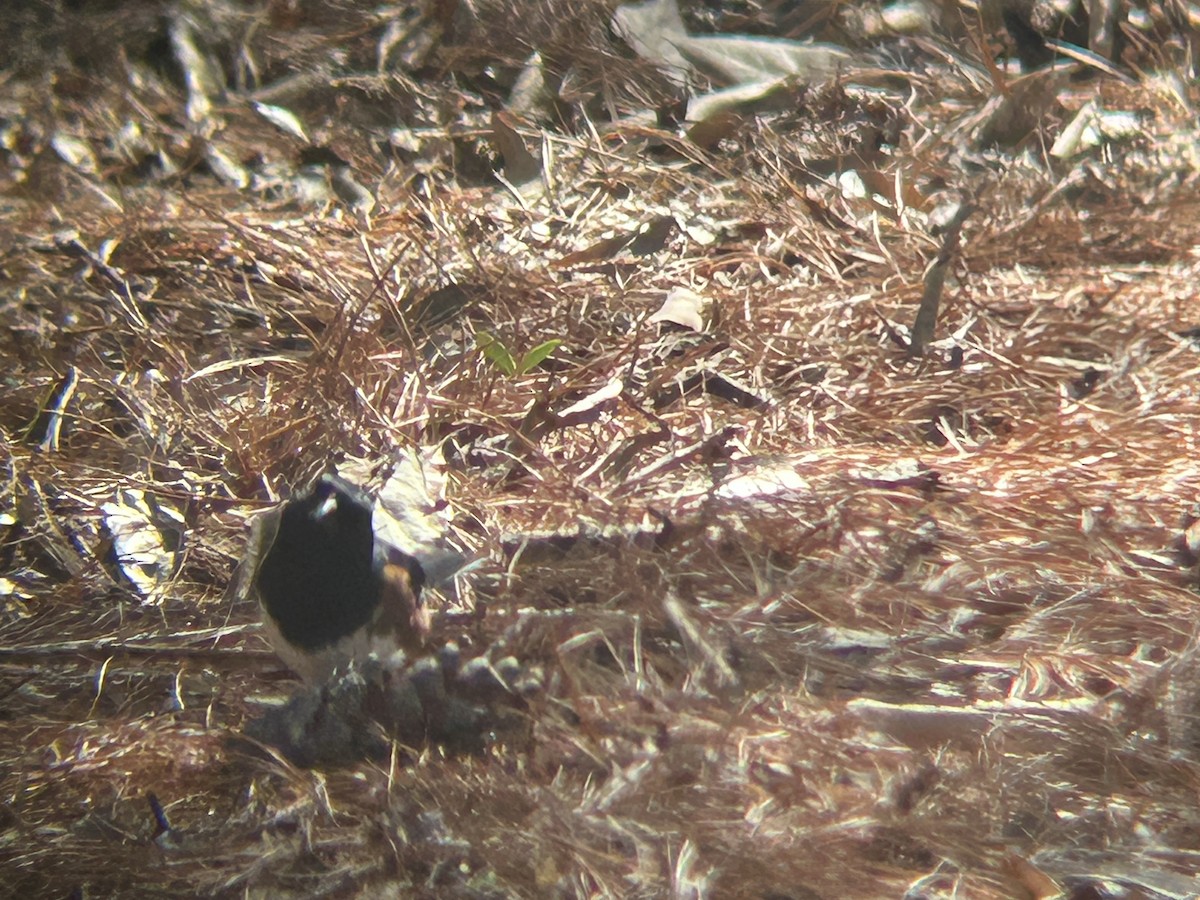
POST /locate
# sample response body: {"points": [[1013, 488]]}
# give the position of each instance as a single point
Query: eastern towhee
{"points": [[330, 591]]}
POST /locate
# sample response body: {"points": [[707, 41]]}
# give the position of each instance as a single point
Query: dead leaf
{"points": [[202, 77], [1093, 126], [529, 95], [649, 237], [737, 59], [521, 168], [411, 513], [717, 114], [145, 536], [227, 169], [682, 307], [350, 192], [653, 30], [590, 407], [1009, 118], [1037, 883], [283, 119], [75, 152]]}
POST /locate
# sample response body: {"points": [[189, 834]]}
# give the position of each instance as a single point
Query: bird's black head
{"points": [[320, 579]]}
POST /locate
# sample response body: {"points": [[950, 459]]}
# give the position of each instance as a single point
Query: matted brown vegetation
{"points": [[835, 621]]}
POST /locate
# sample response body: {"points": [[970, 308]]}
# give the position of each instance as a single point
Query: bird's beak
{"points": [[327, 507]]}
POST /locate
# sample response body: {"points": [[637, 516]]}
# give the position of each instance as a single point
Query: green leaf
{"points": [[495, 351], [535, 356]]}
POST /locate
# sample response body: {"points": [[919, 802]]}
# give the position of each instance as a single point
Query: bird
{"points": [[330, 592]]}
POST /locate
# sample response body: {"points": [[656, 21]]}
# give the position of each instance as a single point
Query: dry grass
{"points": [[900, 620]]}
